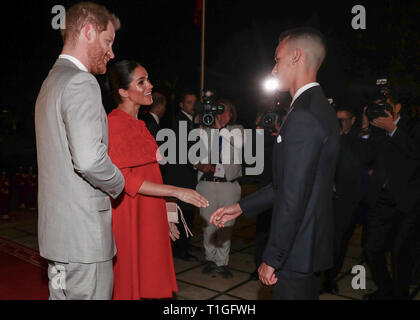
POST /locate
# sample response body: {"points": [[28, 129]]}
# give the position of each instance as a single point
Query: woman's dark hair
{"points": [[119, 77]]}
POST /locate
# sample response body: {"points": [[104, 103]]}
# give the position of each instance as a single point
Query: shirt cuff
{"points": [[392, 133]]}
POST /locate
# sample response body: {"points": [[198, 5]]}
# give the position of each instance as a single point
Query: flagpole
{"points": [[203, 46]]}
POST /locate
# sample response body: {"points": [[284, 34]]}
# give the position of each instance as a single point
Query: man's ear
{"points": [[353, 120], [123, 93], [297, 54], [181, 105], [89, 32]]}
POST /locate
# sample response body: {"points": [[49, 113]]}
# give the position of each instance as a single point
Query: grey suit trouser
{"points": [[217, 241], [78, 281]]}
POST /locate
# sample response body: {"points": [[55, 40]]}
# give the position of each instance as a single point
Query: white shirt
{"points": [[302, 90], [76, 61], [297, 95], [155, 117], [188, 115]]}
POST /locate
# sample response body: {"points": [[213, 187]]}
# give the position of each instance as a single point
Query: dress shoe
{"points": [[187, 257], [254, 276], [378, 295], [209, 267], [224, 272], [330, 287]]}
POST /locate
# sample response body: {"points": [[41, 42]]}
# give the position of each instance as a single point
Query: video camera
{"points": [[377, 108], [271, 117], [208, 109]]}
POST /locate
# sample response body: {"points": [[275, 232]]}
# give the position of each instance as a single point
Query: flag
{"points": [[198, 13]]}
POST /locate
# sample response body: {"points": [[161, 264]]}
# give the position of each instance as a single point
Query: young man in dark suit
{"points": [[300, 244]]}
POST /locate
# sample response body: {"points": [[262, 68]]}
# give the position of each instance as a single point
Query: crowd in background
{"points": [[18, 190]]}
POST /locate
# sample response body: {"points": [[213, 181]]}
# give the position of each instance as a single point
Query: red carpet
{"points": [[23, 273]]}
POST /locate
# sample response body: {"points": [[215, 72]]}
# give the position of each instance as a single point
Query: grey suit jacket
{"points": [[75, 173]]}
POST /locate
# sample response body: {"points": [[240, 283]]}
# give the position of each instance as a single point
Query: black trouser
{"points": [[346, 216], [296, 286], [390, 229], [181, 246], [261, 236]]}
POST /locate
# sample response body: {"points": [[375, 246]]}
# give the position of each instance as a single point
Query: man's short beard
{"points": [[96, 59]]}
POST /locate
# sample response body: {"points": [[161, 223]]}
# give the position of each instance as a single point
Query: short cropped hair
{"points": [[158, 98], [84, 13], [185, 93], [347, 109], [312, 38]]}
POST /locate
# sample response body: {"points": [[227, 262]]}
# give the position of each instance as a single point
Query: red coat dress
{"points": [[143, 266]]}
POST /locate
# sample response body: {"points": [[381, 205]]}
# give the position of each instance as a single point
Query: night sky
{"points": [[241, 40]]}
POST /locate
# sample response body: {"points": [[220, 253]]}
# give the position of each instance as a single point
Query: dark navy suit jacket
{"points": [[304, 163]]}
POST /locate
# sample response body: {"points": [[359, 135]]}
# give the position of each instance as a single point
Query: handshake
{"points": [[220, 217], [225, 214]]}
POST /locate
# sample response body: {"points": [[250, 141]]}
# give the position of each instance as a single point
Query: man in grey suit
{"points": [[76, 176]]}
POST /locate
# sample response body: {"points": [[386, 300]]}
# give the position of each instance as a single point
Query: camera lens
{"points": [[208, 119]]}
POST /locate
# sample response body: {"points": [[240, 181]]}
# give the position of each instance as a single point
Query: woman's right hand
{"points": [[192, 197]]}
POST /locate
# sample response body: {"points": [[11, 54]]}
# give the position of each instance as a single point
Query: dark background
{"points": [[240, 42]]}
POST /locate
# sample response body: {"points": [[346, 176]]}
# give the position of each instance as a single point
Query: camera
{"points": [[268, 121], [208, 109], [271, 117], [377, 108]]}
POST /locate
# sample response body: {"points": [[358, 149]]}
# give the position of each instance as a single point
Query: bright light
{"points": [[271, 84]]}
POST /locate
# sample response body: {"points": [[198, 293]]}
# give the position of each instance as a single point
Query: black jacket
{"points": [[151, 124], [395, 163], [349, 172], [304, 162], [181, 175]]}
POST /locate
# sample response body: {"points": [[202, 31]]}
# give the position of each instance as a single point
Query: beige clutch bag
{"points": [[172, 209]]}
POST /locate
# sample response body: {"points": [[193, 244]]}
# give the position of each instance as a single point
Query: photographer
{"points": [[393, 196], [219, 183], [347, 193], [264, 219]]}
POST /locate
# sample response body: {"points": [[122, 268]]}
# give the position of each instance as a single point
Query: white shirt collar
{"points": [[397, 120], [155, 117], [188, 115], [303, 89], [76, 61]]}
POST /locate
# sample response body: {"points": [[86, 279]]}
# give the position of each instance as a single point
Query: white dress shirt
{"points": [[302, 90], [76, 61], [188, 115], [155, 117]]}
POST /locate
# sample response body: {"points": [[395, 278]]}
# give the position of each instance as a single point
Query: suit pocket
{"points": [[100, 204]]}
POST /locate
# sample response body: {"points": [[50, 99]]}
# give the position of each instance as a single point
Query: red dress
{"points": [[143, 266]]}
